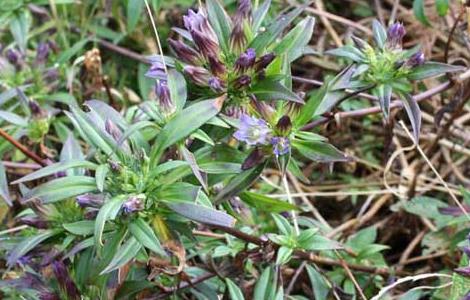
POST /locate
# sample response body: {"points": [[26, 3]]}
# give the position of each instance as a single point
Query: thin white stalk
{"points": [[291, 201], [155, 31]]}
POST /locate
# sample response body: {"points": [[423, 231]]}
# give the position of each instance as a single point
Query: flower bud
{"points": [[264, 61], [132, 204], [284, 125], [359, 43], [238, 38], [184, 52], [216, 66], [34, 221], [36, 110], [65, 281], [207, 46], [157, 71], [115, 166], [164, 99], [42, 52], [90, 200], [14, 57], [234, 111], [395, 36], [198, 75], [242, 81], [263, 108], [255, 158], [464, 271], [216, 84], [246, 60], [415, 60], [112, 130], [198, 22]]}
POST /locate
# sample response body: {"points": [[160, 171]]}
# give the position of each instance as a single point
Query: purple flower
{"points": [[198, 75], [395, 35], [281, 145], [13, 56], [184, 52], [132, 204], [242, 81], [246, 60], [65, 281], [202, 33], [36, 110], [252, 131], [115, 166], [157, 71], [415, 60], [216, 84], [90, 200], [264, 61], [34, 221], [164, 99], [243, 13], [42, 52], [216, 66]]}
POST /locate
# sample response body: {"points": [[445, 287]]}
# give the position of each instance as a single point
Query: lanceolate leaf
{"points": [[266, 286], [81, 227], [348, 52], [184, 123], [203, 214], [442, 7], [108, 212], [146, 236], [124, 254], [418, 9], [63, 188], [13, 118], [414, 114], [294, 42], [380, 34], [72, 151], [431, 69], [56, 168], [100, 176], [384, 93], [234, 290], [319, 151], [220, 21], [319, 285], [177, 87], [4, 192], [134, 11], [259, 14], [266, 203], [274, 90]]}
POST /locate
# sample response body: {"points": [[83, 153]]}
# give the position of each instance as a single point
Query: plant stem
{"points": [[22, 148]]}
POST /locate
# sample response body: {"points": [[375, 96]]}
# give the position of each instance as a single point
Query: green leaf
{"points": [[283, 225], [349, 52], [319, 284], [418, 10], [134, 11], [108, 211], [431, 69], [70, 52], [284, 254], [380, 33], [319, 243], [4, 192], [239, 183], [384, 93], [442, 6], [294, 42], [19, 28], [177, 87], [146, 236], [266, 203], [71, 150], [62, 188], [125, 253], [319, 151], [13, 118], [234, 290], [264, 39], [55, 168], [269, 89], [100, 176], [203, 214], [184, 123], [81, 227], [259, 14], [266, 285], [27, 245], [220, 21]]}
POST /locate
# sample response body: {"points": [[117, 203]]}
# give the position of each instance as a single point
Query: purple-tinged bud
{"points": [[207, 46], [115, 166], [216, 84], [90, 214], [263, 108], [65, 281], [284, 125], [242, 81], [395, 36], [13, 56], [359, 43], [198, 22], [264, 61], [132, 204], [281, 145], [255, 158], [90, 200], [464, 271], [243, 10], [48, 296], [157, 71], [36, 111], [60, 174], [34, 221], [184, 52], [466, 250], [198, 75], [246, 60], [112, 130], [51, 75], [243, 13], [252, 131], [216, 66], [42, 52], [454, 210], [234, 111], [415, 60], [164, 99]]}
